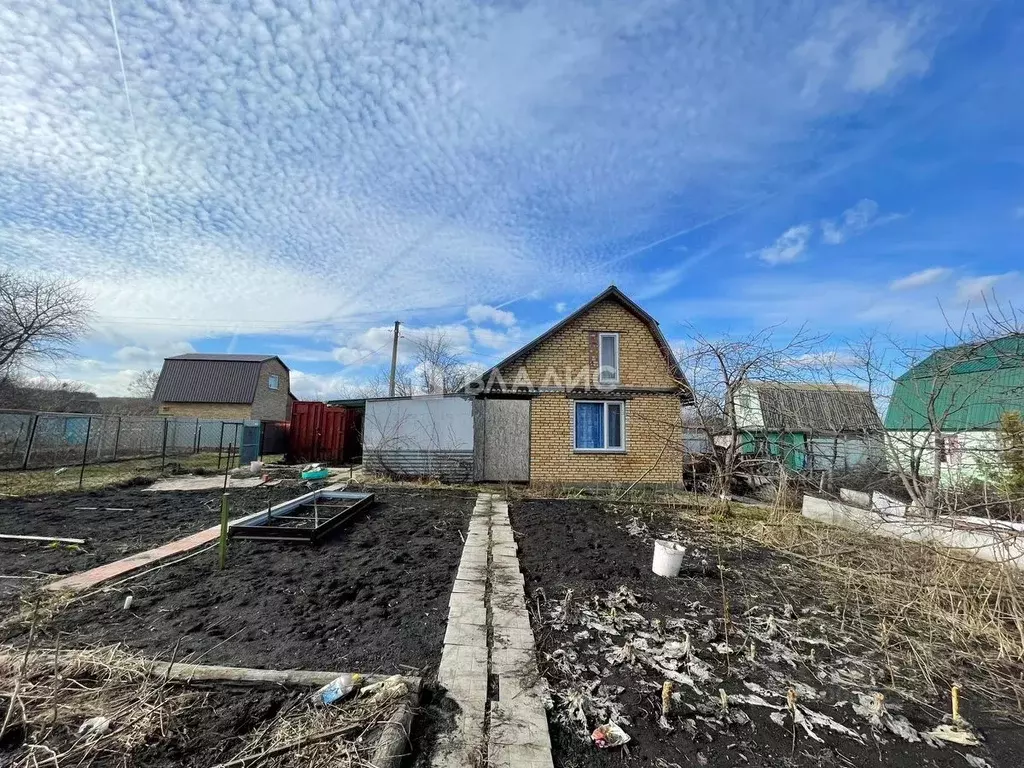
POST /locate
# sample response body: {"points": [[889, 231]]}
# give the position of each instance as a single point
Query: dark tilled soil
{"points": [[583, 546], [154, 519], [373, 597]]}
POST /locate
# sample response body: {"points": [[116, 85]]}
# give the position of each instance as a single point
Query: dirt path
{"points": [[622, 632]]}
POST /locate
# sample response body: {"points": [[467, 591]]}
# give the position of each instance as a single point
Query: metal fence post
{"points": [[85, 453], [227, 465], [220, 444], [117, 438], [163, 448], [31, 439], [195, 438]]}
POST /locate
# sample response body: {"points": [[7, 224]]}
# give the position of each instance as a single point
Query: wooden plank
{"points": [[394, 742], [300, 678], [50, 539]]}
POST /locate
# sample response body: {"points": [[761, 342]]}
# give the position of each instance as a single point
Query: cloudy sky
{"points": [[292, 177]]}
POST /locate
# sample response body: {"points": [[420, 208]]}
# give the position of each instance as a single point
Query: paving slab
{"points": [[457, 633], [522, 721], [519, 756], [489, 593], [203, 483]]}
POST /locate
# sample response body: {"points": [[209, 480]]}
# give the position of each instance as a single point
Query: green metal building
{"points": [[952, 402]]}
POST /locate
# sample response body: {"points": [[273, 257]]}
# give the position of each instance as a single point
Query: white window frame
{"points": [[604, 416], [601, 362], [271, 380]]}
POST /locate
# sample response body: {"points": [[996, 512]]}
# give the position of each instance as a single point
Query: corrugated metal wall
{"points": [[420, 436]]}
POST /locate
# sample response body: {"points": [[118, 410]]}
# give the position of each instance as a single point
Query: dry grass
{"points": [[937, 616], [57, 693], [97, 476], [51, 694]]}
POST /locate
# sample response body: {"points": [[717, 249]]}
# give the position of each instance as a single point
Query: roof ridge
{"points": [[612, 291]]}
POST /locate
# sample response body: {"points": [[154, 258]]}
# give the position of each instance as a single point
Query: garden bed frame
{"points": [[340, 507]]}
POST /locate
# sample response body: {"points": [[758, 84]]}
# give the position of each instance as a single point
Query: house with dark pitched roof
{"points": [[235, 387]]}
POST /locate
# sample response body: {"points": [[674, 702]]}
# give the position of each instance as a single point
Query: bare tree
{"points": [[930, 402], [46, 394], [378, 384], [440, 367], [40, 319], [717, 370], [143, 384]]}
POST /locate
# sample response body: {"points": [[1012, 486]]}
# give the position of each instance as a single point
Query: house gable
{"points": [[224, 386], [566, 357]]}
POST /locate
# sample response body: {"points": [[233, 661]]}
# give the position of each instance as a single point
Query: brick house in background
{"points": [[596, 398], [231, 387]]}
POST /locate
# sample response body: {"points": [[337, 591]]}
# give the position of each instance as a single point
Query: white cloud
{"points": [[315, 386], [354, 357], [561, 307], [920, 279], [789, 247], [853, 221], [151, 357], [500, 340], [481, 313], [308, 170], [859, 47], [981, 288]]}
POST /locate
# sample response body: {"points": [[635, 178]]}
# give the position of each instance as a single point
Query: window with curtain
{"points": [[608, 358], [599, 426]]}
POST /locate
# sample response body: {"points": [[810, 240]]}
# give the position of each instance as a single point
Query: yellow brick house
{"points": [[595, 399]]}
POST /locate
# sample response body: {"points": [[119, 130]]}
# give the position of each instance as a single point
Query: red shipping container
{"points": [[331, 434]]}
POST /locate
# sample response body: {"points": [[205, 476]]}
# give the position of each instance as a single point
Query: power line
{"points": [[367, 356]]}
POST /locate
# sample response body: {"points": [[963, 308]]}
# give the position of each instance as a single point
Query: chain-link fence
{"points": [[46, 440]]}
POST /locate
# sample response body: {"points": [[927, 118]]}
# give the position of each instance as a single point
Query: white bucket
{"points": [[668, 558]]}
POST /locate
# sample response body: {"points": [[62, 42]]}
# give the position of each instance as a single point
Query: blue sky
{"points": [[292, 177]]}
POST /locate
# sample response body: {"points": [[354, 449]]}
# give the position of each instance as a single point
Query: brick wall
{"points": [[226, 411], [641, 363], [269, 404], [651, 422]]}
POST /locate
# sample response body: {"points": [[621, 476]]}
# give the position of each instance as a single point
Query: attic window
{"points": [[608, 358], [274, 382]]}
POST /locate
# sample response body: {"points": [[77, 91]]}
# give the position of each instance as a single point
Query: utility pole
{"points": [[394, 361]]}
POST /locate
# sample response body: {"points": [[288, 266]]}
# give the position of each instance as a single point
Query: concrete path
{"points": [[203, 483], [504, 724]]}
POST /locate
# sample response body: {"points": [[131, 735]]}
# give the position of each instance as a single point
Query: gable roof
{"points": [[611, 292], [968, 386], [227, 358], [809, 407], [199, 378]]}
